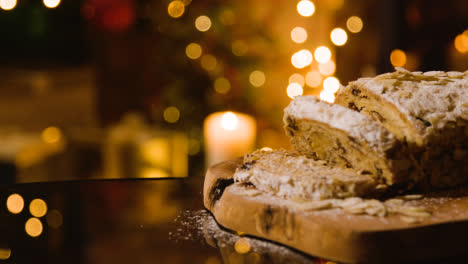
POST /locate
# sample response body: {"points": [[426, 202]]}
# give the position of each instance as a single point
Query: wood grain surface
{"points": [[336, 235]]}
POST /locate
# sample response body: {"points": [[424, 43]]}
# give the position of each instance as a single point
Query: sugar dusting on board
{"points": [[200, 226]]}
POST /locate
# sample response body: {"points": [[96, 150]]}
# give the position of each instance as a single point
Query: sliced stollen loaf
{"points": [[428, 111], [292, 175], [341, 136]]}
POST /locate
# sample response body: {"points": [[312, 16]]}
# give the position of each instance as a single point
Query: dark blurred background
{"points": [[85, 64]]}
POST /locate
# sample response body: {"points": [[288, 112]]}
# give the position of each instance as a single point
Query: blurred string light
{"points": [[176, 9], [193, 51], [327, 96], [222, 85], [51, 135], [297, 78], [301, 59], [327, 68], [38, 207], [294, 89], [306, 8], [354, 24], [171, 114], [338, 36], [461, 42], [331, 84], [33, 227], [203, 23], [299, 35], [229, 121], [7, 4], [322, 54], [398, 58], [257, 78], [242, 246], [51, 3], [239, 48], [208, 62], [15, 203], [313, 79], [5, 253]]}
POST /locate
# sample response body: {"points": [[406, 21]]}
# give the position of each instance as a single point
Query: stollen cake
{"points": [[341, 136], [428, 111], [291, 175]]}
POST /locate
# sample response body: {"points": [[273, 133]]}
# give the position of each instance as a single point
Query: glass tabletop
{"points": [[124, 221]]}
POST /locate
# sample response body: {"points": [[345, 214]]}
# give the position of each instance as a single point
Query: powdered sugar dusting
{"points": [[339, 117], [202, 227], [436, 97]]}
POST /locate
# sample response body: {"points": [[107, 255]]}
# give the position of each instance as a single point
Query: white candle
{"points": [[228, 135]]}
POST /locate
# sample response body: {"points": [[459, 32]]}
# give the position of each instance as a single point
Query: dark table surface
{"points": [[128, 221]]}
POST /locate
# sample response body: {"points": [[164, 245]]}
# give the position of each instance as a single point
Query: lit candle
{"points": [[228, 135]]}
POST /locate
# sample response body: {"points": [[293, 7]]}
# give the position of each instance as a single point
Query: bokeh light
{"points": [[354, 24], [51, 3], [33, 227], [301, 59], [51, 135], [338, 36], [38, 207], [222, 85], [193, 51], [242, 246], [294, 89], [208, 62], [229, 121], [327, 96], [15, 203], [257, 78], [322, 54], [306, 8], [299, 35], [54, 218], [297, 78], [203, 23], [327, 68], [461, 42], [176, 9], [171, 114], [331, 84], [5, 253], [7, 4], [239, 48], [398, 58], [313, 79]]}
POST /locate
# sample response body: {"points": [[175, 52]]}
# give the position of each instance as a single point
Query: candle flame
{"points": [[229, 121]]}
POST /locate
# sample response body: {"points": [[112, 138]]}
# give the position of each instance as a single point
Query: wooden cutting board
{"points": [[336, 235]]}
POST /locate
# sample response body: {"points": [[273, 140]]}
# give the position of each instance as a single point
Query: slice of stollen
{"points": [[341, 136], [292, 175], [427, 110]]}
